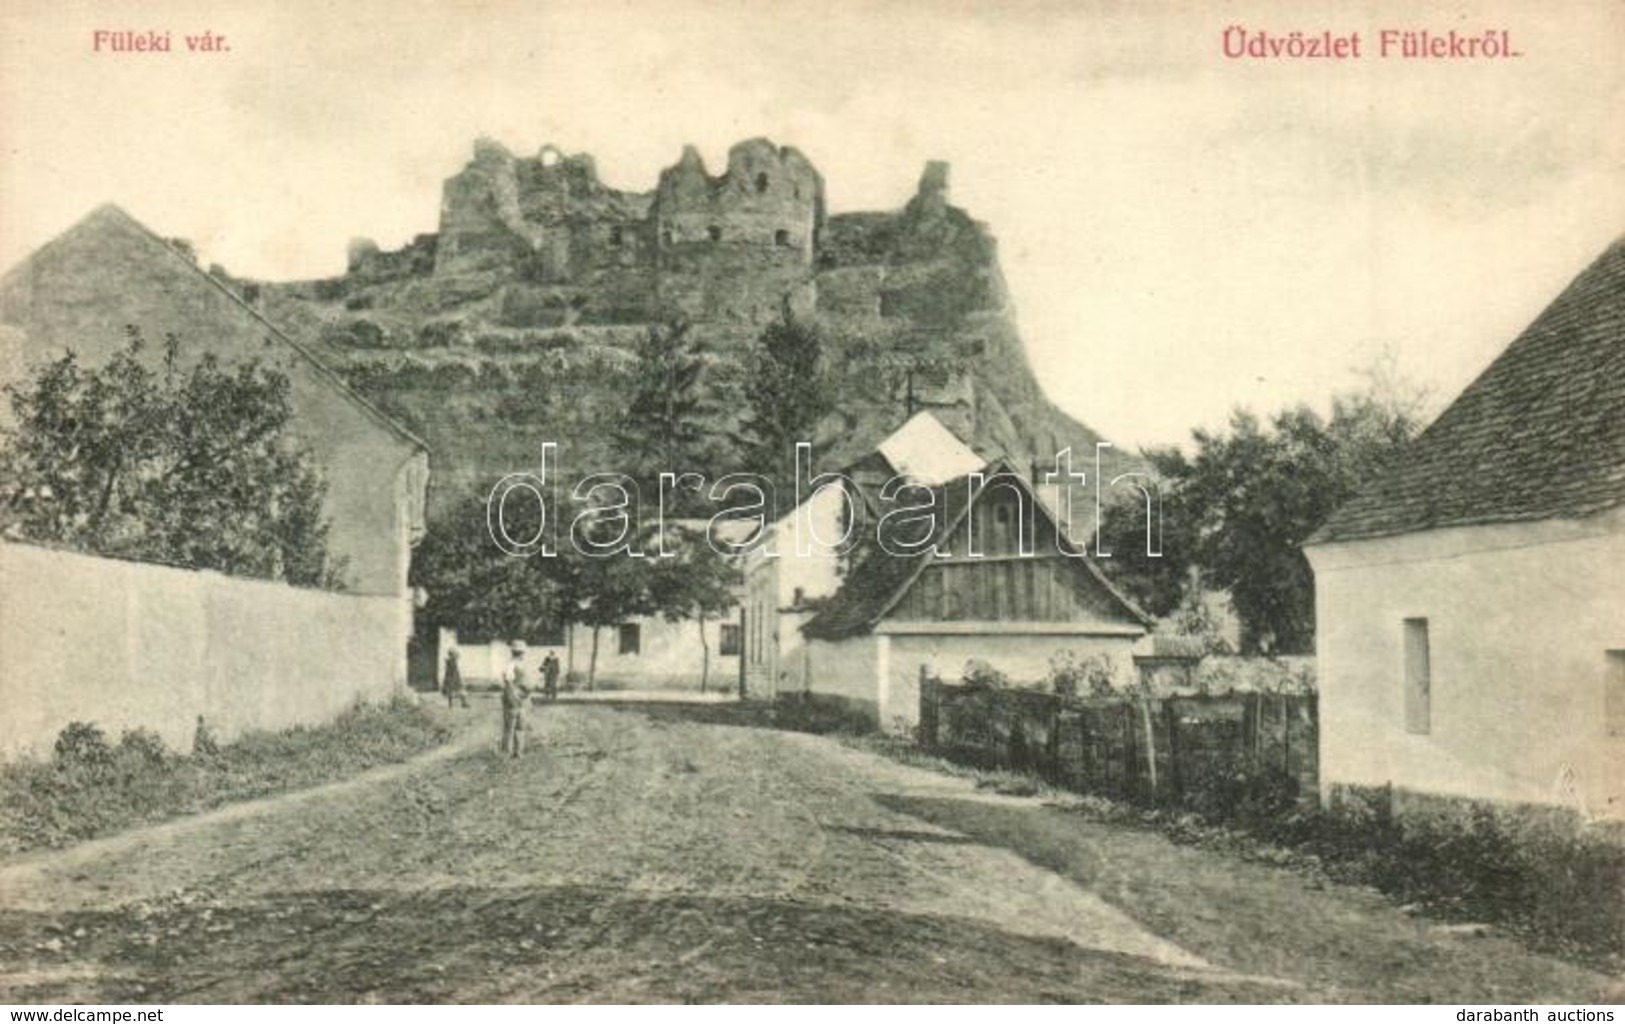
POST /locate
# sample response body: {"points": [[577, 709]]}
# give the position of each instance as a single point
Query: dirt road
{"points": [[637, 856]]}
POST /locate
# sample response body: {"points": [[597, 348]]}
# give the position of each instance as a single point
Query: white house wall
{"points": [[1520, 618], [848, 669], [670, 657], [778, 582]]}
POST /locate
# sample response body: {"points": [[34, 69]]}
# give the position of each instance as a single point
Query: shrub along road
{"points": [[641, 856]]}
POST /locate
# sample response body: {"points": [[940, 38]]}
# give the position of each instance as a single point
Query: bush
{"points": [[203, 741], [143, 748], [816, 713], [980, 674], [1545, 876], [90, 789], [1242, 795], [82, 746], [1094, 676]]}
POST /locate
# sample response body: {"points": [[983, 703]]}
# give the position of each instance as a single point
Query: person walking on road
{"points": [[451, 683], [515, 694]]}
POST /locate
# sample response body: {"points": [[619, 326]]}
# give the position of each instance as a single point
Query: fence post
{"points": [[1150, 745], [1176, 777], [929, 700], [1286, 735]]}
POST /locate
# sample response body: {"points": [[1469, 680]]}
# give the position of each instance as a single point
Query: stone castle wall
{"points": [[728, 247]]}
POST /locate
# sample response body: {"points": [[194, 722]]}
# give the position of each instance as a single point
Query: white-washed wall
{"points": [[849, 669], [1520, 619], [127, 645], [669, 656]]}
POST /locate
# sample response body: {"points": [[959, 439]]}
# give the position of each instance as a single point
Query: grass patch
{"points": [[91, 787], [1560, 889], [818, 713], [999, 780]]}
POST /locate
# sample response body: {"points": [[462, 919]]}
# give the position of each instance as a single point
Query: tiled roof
{"points": [[1539, 435], [877, 582]]}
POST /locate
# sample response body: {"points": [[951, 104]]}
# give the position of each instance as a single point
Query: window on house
{"points": [[1418, 678], [615, 236], [715, 232], [728, 646], [631, 637], [761, 182], [1613, 695], [781, 237]]}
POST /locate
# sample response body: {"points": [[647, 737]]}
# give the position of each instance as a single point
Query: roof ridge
{"points": [[331, 375], [997, 467], [1545, 411]]}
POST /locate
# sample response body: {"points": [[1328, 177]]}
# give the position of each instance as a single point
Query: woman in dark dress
{"points": [[451, 684]]}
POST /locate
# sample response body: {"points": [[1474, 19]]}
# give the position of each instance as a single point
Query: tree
{"points": [[671, 424], [787, 393], [1156, 583], [602, 590], [697, 583], [193, 467], [1242, 508], [477, 588]]}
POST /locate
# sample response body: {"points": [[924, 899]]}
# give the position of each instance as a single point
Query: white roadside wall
{"points": [[1520, 620], [669, 656], [127, 645]]}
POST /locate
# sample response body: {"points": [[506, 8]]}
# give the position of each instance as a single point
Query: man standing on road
{"points": [[514, 695], [550, 676]]}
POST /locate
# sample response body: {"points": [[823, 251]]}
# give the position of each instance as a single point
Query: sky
{"points": [[1181, 232]]}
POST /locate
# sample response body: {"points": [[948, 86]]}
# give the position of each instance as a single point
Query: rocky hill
{"points": [[514, 323]]}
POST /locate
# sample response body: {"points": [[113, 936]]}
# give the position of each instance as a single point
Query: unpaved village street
{"points": [[642, 856]]}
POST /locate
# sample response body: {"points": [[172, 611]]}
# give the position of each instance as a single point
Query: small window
{"points": [[1418, 678], [781, 237], [761, 182], [1614, 694], [1004, 527], [615, 237], [729, 644], [631, 637], [715, 232]]}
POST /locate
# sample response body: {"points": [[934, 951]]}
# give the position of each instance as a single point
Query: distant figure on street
{"points": [[514, 696], [550, 676], [451, 683]]}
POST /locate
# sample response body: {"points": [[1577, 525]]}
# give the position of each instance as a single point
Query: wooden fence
{"points": [[1148, 750]]}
